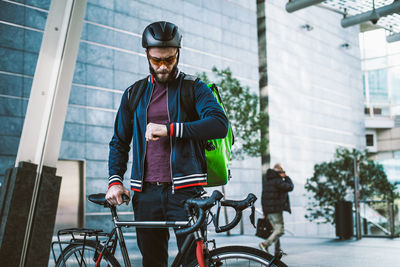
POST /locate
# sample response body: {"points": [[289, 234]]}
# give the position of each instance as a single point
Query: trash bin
{"points": [[344, 219]]}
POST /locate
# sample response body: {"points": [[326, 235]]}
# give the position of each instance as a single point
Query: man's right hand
{"points": [[114, 195]]}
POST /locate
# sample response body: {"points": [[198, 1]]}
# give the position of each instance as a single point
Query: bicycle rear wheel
{"points": [[239, 256], [78, 255]]}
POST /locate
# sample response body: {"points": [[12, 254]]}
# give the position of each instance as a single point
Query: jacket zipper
{"points": [[145, 145], [170, 144]]}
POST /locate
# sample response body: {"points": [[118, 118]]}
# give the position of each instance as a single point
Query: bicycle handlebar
{"points": [[200, 206], [239, 206]]}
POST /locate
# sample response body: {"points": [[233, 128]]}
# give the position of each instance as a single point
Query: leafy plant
{"points": [[242, 108], [333, 181]]}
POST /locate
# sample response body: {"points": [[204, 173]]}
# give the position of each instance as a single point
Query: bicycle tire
{"points": [[239, 256], [71, 255]]}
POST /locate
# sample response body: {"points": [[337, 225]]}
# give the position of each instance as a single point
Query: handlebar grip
{"points": [[195, 226], [230, 225], [239, 206], [200, 205]]}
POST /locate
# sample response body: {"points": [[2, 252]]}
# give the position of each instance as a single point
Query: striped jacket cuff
{"points": [[113, 180], [176, 130]]}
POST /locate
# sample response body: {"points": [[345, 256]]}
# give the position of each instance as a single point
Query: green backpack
{"points": [[217, 151]]}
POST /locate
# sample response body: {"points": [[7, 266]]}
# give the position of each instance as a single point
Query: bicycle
{"points": [[90, 247]]}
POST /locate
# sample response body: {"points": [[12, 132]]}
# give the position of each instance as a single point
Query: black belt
{"points": [[158, 183]]}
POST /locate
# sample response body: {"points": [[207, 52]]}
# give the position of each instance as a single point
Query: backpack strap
{"points": [[187, 96], [135, 93], [188, 100]]}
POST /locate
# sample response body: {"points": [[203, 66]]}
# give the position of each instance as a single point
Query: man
{"points": [[169, 163], [275, 200]]}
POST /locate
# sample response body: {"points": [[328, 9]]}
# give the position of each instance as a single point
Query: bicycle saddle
{"points": [[99, 199]]}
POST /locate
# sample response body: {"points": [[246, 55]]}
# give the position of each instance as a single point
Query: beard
{"points": [[160, 77]]}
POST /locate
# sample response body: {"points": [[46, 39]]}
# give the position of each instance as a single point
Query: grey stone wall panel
{"points": [[100, 117], [45, 4], [10, 55], [72, 150], [14, 125], [100, 15], [11, 85], [98, 98], [74, 132], [8, 11], [9, 145], [76, 114], [35, 18], [98, 76], [97, 169], [100, 35]]}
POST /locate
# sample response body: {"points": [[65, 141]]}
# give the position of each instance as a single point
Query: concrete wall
{"points": [[388, 140], [315, 97]]}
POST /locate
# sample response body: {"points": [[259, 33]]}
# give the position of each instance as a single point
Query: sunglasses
{"points": [[162, 61]]}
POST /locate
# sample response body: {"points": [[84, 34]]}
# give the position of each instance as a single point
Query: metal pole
{"points": [[373, 15], [393, 38], [357, 198], [226, 212], [391, 218], [294, 5]]}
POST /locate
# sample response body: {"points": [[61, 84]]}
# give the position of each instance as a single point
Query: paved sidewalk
{"points": [[305, 251], [327, 252]]}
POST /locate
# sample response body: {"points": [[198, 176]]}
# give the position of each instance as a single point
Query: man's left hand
{"points": [[154, 131]]}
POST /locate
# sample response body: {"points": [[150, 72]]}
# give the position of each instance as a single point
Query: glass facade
{"points": [[381, 75], [377, 83]]}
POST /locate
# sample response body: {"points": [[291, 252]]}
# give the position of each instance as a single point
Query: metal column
{"points": [[357, 198]]}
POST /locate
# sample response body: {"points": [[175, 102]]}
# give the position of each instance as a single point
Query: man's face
{"points": [[163, 62]]}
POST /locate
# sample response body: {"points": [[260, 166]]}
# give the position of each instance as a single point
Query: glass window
{"points": [[363, 81], [377, 84], [394, 79], [369, 138]]}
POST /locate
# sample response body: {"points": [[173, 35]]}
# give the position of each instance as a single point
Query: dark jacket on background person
{"points": [[275, 190], [187, 159]]}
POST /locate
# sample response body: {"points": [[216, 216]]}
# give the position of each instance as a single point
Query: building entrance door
{"points": [[70, 211]]}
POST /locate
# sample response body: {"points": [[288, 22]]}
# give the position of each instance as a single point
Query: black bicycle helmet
{"points": [[161, 34]]}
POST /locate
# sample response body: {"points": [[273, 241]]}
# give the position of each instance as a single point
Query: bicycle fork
{"points": [[200, 249]]}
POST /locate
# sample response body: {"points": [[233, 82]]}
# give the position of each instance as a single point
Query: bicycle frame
{"points": [[198, 211], [117, 230]]}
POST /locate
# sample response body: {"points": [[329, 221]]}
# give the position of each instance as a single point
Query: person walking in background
{"points": [[275, 200], [168, 163]]}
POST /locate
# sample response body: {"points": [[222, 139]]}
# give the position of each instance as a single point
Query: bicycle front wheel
{"points": [[239, 256], [79, 255]]}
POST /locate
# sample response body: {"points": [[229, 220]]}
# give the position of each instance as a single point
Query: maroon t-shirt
{"points": [[157, 161]]}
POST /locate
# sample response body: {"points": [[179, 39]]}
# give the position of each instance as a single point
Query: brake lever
{"points": [[215, 217], [252, 215]]}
